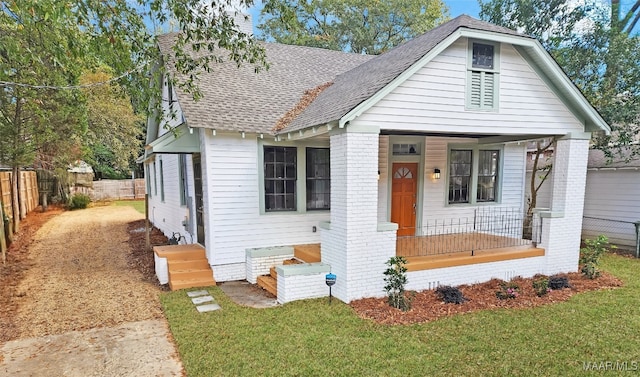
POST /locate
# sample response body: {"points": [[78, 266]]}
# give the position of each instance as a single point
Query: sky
{"points": [[456, 8]]}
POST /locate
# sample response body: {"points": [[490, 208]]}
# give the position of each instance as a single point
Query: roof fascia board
{"points": [[368, 103], [180, 140]]}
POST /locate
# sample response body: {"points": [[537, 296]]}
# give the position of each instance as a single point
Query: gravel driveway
{"points": [[82, 310]]}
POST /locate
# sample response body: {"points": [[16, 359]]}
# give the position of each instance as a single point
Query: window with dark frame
{"points": [[280, 178], [161, 182], [488, 161], [182, 161], [318, 179], [460, 166], [482, 56]]}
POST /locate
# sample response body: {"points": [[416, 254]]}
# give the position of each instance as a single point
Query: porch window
{"points": [[487, 176], [460, 176], [474, 175], [280, 178], [318, 179]]}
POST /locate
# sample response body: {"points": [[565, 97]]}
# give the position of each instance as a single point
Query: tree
{"points": [[359, 26], [596, 49], [113, 136], [46, 44]]}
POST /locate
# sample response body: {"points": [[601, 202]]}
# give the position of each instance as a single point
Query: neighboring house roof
{"points": [[80, 167], [597, 160], [359, 84], [238, 99]]}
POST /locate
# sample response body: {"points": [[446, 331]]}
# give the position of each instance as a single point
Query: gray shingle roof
{"points": [[597, 159], [357, 85], [238, 99]]}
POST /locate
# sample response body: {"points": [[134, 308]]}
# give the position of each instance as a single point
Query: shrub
{"points": [[79, 201], [559, 282], [541, 286], [508, 291], [396, 279], [590, 255], [450, 295]]}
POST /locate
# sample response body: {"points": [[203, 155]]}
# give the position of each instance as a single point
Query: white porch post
{"points": [[562, 226], [352, 244]]}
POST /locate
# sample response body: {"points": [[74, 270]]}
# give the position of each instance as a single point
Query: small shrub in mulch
{"points": [[427, 306], [508, 290], [450, 295], [559, 282]]}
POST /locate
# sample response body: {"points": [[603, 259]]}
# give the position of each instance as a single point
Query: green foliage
{"points": [[396, 279], [79, 201], [450, 295], [590, 255], [360, 26], [559, 282], [598, 50], [508, 290], [541, 286], [138, 205]]}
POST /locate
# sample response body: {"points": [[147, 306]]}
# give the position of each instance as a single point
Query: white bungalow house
{"points": [[419, 152]]}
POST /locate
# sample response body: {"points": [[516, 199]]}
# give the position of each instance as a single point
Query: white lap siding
{"points": [[433, 100], [232, 190]]}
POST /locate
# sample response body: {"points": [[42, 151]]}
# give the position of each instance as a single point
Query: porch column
{"points": [[562, 226], [352, 244]]}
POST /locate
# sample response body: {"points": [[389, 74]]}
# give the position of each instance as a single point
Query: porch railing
{"points": [[483, 229]]}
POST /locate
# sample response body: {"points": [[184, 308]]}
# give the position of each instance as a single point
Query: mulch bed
{"points": [[141, 259], [426, 306]]}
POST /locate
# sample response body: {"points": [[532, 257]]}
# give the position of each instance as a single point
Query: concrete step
{"points": [[190, 283], [180, 252], [179, 264], [308, 253], [191, 274], [269, 284]]}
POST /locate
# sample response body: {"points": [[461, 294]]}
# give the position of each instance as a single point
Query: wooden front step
{"points": [[269, 284], [187, 265], [309, 253]]}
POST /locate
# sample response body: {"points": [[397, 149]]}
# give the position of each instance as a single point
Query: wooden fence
{"points": [[112, 189], [28, 192]]}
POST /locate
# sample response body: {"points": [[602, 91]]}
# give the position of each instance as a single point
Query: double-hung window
{"points": [[318, 179], [280, 178], [473, 175], [482, 75]]}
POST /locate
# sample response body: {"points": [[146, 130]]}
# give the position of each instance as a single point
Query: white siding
{"points": [[168, 215], [612, 195], [234, 222], [172, 112], [433, 99]]}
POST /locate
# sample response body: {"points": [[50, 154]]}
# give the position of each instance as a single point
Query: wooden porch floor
{"points": [[453, 243]]}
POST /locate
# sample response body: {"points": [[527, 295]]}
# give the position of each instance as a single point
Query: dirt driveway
{"points": [[82, 311]]}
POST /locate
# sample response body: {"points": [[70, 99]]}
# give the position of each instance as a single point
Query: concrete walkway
{"points": [[245, 294]]}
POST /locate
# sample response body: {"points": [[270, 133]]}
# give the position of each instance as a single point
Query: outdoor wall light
{"points": [[436, 173]]}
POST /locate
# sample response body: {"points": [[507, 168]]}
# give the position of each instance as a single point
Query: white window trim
{"points": [[495, 71], [301, 174], [473, 186]]}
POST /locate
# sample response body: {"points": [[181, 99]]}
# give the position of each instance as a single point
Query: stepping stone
{"points": [[201, 299], [208, 308], [197, 293]]}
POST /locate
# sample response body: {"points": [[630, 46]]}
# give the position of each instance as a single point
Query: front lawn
{"points": [[313, 338]]}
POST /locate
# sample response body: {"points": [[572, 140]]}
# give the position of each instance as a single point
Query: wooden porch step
{"points": [[273, 273], [269, 284], [182, 252], [187, 265], [309, 253]]}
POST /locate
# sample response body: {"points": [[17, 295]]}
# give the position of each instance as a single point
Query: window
{"points": [[155, 181], [280, 178], [487, 176], [405, 149], [161, 182], [182, 161], [482, 78], [473, 175], [148, 179], [460, 176], [318, 179]]}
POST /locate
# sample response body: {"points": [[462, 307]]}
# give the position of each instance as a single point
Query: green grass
{"points": [[138, 205], [313, 338]]}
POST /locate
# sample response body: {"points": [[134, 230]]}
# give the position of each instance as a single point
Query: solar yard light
{"points": [[330, 279]]}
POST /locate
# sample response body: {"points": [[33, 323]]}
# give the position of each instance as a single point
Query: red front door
{"points": [[404, 184]]}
